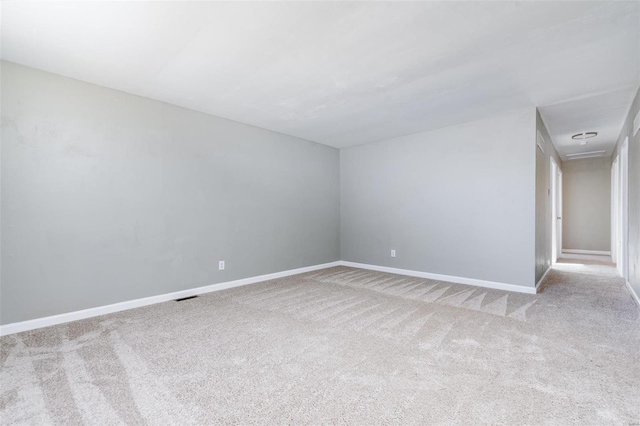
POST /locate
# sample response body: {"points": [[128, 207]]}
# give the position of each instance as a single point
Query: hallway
{"points": [[593, 280]]}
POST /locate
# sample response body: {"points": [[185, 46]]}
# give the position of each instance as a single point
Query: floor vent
{"points": [[186, 298]]}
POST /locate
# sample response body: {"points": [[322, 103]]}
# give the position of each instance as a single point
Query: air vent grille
{"points": [[185, 298], [589, 154]]}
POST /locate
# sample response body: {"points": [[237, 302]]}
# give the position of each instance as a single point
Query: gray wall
{"points": [[634, 193], [586, 204], [544, 219], [108, 197], [458, 201]]}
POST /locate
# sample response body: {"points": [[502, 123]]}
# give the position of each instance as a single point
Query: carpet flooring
{"points": [[341, 346]]}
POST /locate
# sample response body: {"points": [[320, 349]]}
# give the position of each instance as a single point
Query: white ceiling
{"points": [[604, 113], [348, 73]]}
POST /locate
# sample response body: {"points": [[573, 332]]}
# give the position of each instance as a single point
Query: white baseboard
{"points": [[449, 278], [595, 252], [634, 295], [18, 327], [542, 278]]}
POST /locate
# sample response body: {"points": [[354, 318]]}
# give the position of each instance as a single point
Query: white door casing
{"points": [[615, 175], [558, 221], [623, 254], [553, 180]]}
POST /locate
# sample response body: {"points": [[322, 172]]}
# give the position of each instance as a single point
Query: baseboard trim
{"points": [[18, 327], [634, 295], [595, 252], [542, 278], [449, 278]]}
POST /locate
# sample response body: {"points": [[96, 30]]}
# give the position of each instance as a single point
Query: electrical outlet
{"points": [[221, 265], [393, 253]]}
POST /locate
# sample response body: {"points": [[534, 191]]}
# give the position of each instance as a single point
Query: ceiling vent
{"points": [[590, 154]]}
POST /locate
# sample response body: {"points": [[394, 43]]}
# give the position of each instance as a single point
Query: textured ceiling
{"points": [[347, 73]]}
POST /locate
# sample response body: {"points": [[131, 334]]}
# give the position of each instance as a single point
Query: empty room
{"points": [[319, 212]]}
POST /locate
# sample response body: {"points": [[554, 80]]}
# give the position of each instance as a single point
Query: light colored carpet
{"points": [[585, 259], [341, 346]]}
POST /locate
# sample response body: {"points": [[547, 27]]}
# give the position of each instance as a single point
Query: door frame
{"points": [[615, 208], [559, 217], [623, 214], [556, 207]]}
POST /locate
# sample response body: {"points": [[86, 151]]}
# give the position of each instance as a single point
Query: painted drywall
{"points": [[634, 192], [108, 197], [456, 201], [586, 204], [544, 219]]}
